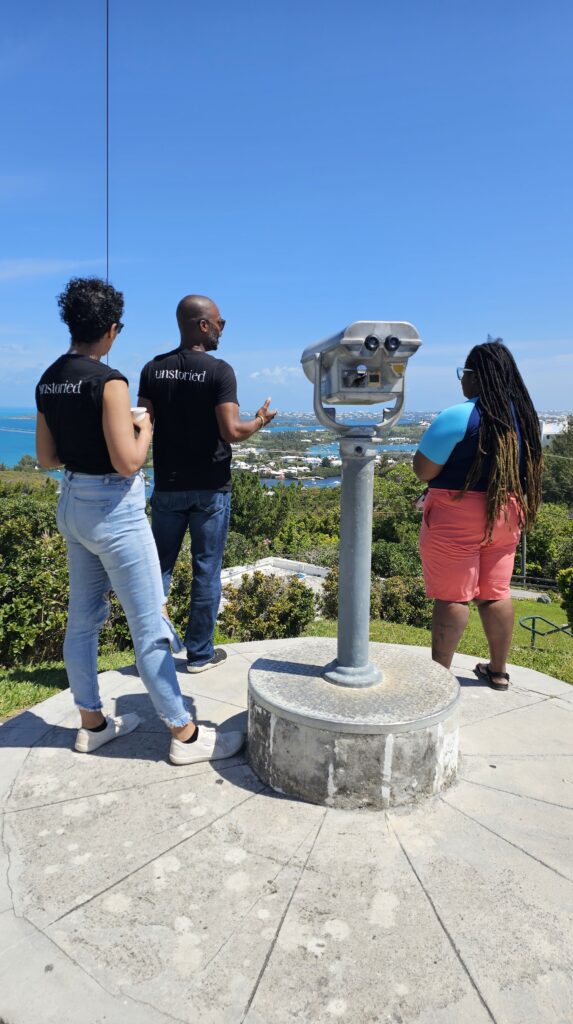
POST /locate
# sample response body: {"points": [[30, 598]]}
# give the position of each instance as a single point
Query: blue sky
{"points": [[306, 164]]}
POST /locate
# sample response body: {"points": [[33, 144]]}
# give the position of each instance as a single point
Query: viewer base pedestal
{"points": [[385, 745]]}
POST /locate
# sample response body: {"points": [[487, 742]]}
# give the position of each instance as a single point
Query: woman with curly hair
{"points": [[85, 423], [482, 462]]}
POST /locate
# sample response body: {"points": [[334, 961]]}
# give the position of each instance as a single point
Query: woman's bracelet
{"points": [[262, 421]]}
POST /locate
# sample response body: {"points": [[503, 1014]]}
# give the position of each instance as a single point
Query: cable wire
{"points": [[107, 141]]}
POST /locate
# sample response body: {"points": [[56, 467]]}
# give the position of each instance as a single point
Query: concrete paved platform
{"points": [[136, 892]]}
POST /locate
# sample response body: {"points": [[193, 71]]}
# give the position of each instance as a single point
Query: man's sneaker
{"points": [[218, 658], [210, 745], [87, 741]]}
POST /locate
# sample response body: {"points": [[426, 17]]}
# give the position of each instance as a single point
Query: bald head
{"points": [[196, 315]]}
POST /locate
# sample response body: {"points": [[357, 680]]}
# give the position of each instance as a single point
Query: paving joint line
{"points": [[169, 828], [151, 1006], [569, 710], [81, 968], [282, 867], [551, 696], [518, 796], [122, 789], [6, 848], [146, 863], [442, 924], [508, 711], [250, 657], [216, 700], [504, 839], [280, 924]]}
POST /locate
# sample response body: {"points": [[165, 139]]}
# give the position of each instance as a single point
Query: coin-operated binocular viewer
{"points": [[363, 365]]}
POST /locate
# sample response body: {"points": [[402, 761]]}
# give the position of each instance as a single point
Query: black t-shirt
{"points": [[185, 386], [70, 395]]}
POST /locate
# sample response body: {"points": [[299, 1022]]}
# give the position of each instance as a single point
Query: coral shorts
{"points": [[458, 564]]}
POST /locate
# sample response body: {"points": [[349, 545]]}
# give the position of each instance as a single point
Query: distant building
{"points": [[312, 575], [550, 428]]}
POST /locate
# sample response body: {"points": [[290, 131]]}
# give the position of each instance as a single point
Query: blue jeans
{"points": [[110, 547], [206, 514]]}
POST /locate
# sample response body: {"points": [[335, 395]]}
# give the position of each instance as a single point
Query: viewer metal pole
{"points": [[352, 667]]}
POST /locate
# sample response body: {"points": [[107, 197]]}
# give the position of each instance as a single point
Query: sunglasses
{"points": [[205, 320], [119, 327], [461, 370]]}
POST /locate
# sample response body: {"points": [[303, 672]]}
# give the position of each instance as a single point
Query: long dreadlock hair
{"points": [[505, 400]]}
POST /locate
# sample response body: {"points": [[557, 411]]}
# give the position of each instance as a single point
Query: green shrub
{"points": [[180, 591], [558, 468], [33, 602], [33, 578], [531, 568], [405, 601], [26, 463], [565, 584], [14, 481], [252, 510], [376, 592], [565, 556], [328, 601], [325, 555], [266, 607], [241, 550], [391, 559], [550, 540], [34, 583]]}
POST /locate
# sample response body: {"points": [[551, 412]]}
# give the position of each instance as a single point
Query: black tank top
{"points": [[70, 395]]}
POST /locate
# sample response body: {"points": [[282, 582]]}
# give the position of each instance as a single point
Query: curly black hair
{"points": [[89, 307]]}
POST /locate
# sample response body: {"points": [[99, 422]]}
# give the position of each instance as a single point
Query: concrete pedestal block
{"points": [[382, 746]]}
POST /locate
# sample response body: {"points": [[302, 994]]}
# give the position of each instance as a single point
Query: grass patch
{"points": [[29, 480], [553, 655], [22, 687]]}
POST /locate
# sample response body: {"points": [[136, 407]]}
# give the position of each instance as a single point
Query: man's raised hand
{"points": [[264, 413]]}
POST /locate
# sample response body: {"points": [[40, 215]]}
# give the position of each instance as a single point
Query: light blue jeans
{"points": [[111, 547]]}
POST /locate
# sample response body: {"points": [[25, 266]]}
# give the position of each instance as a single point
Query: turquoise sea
{"points": [[17, 434]]}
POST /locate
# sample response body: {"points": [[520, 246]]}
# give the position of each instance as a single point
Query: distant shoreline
{"points": [[17, 438]]}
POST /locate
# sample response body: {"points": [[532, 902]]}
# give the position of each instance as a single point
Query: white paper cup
{"points": [[138, 412]]}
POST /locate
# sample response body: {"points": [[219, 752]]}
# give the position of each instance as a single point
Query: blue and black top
{"points": [[451, 441]]}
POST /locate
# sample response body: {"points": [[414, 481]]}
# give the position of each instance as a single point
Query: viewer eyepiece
{"points": [[391, 343], [371, 343]]}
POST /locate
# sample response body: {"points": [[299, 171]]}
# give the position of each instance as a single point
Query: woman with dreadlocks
{"points": [[482, 463]]}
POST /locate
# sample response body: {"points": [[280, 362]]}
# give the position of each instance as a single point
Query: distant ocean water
{"points": [[17, 434]]}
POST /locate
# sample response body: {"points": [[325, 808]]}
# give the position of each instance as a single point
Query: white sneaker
{"points": [[210, 746], [87, 741]]}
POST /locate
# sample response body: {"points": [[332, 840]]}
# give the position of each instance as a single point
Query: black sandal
{"points": [[485, 672]]}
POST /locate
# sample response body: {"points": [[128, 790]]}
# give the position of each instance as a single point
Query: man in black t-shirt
{"points": [[192, 399]]}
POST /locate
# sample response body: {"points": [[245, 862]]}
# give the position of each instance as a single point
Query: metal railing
{"points": [[535, 632], [535, 582]]}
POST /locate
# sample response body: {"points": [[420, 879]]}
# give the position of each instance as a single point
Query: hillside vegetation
{"points": [[289, 521]]}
